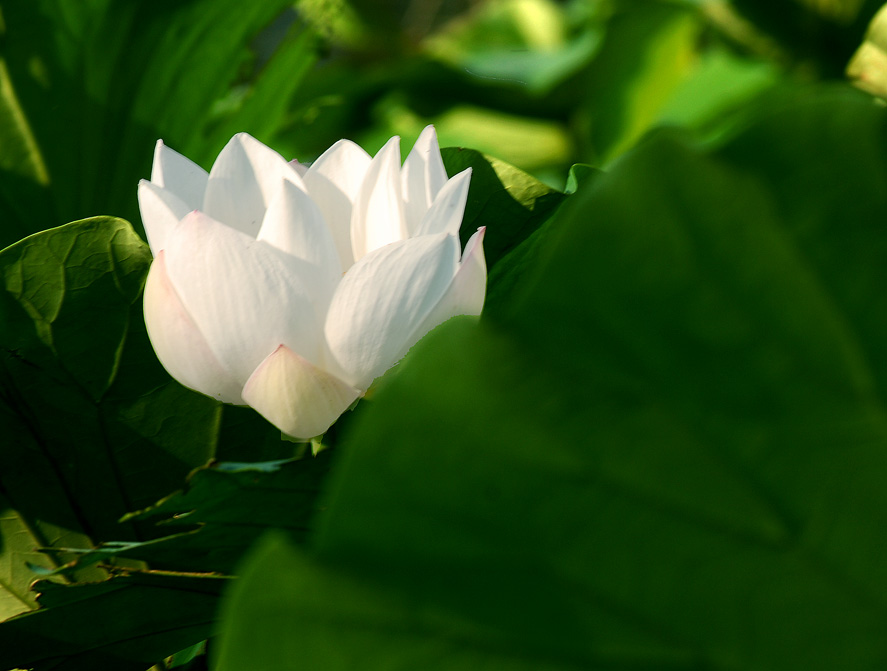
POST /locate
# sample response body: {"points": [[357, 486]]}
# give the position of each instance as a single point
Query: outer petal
{"points": [[293, 224], [179, 345], [242, 182], [333, 181], [242, 294], [466, 293], [161, 211], [383, 299], [297, 397], [423, 177], [179, 175], [378, 217], [445, 214]]}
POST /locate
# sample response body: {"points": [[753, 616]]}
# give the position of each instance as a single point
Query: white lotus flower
{"points": [[290, 289]]}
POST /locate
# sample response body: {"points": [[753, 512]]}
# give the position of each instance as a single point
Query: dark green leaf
{"points": [[514, 207], [508, 201], [670, 454], [581, 175], [92, 426], [230, 505], [128, 622], [87, 88], [819, 34]]}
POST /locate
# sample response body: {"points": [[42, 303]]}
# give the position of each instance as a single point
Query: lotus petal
{"points": [[294, 224], [179, 175], [177, 340], [244, 179], [378, 217], [446, 212], [381, 301], [161, 210], [299, 398], [241, 293], [423, 177], [333, 181]]}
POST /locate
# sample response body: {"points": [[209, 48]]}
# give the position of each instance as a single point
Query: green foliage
{"points": [[662, 446], [818, 35], [93, 427], [154, 613], [648, 51], [86, 89], [82, 407], [669, 452], [514, 207], [224, 509], [510, 203], [529, 43]]}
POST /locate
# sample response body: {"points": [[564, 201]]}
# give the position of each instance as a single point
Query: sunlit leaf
{"points": [[648, 51]]}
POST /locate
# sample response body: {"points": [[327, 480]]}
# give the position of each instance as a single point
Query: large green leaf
{"points": [[86, 89], [510, 203], [669, 454], [126, 623], [516, 209], [89, 420], [92, 426]]}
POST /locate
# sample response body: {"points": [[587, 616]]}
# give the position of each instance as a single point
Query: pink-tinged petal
{"points": [[179, 345], [161, 210], [242, 182], [378, 218], [466, 293], [445, 214], [333, 181], [243, 294], [299, 167], [294, 224], [423, 177], [296, 396], [382, 300], [179, 175]]}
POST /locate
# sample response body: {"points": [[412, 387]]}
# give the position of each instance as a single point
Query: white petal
{"points": [[466, 293], [180, 175], [333, 181], [242, 182], [300, 168], [383, 299], [423, 177], [445, 214], [161, 210], [297, 397], [242, 294], [179, 345], [293, 224], [378, 218]]}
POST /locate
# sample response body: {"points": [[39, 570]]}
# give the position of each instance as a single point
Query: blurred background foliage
{"points": [[86, 87]]}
